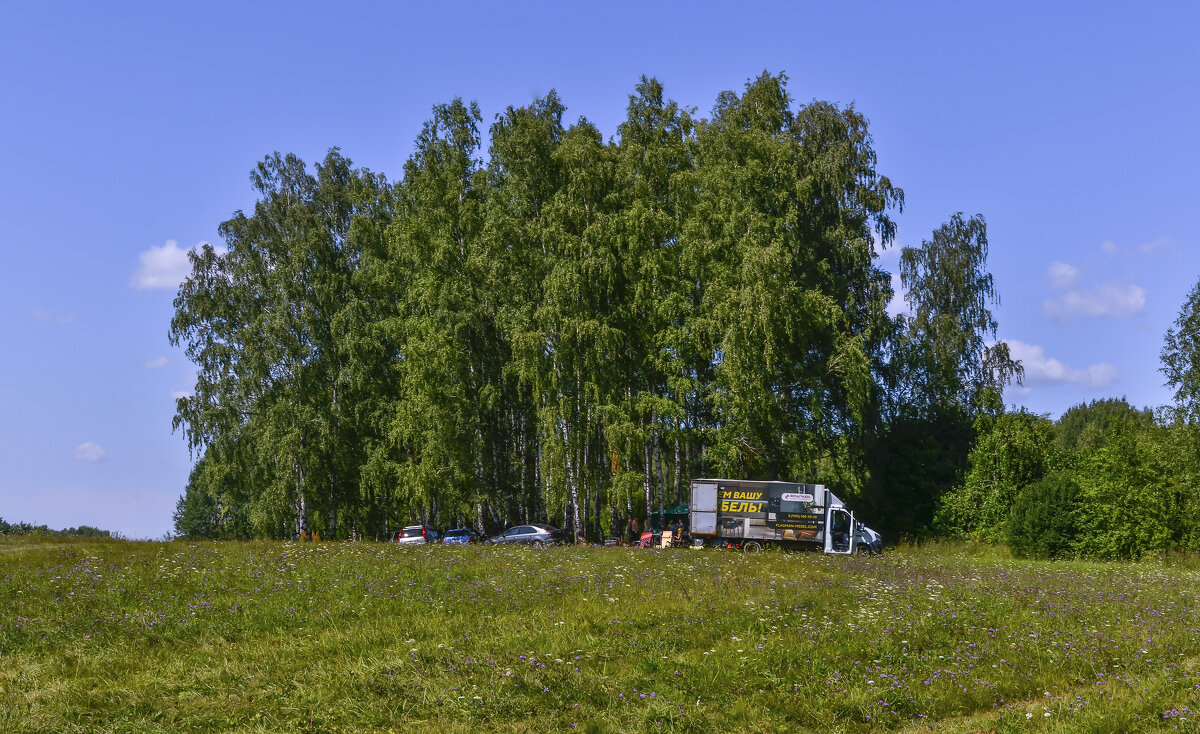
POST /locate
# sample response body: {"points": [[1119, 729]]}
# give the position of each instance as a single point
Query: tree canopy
{"points": [[541, 324]]}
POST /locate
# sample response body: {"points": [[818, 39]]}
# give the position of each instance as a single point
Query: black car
{"points": [[535, 534]]}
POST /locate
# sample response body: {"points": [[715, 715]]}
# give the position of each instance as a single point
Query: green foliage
{"points": [[573, 329], [793, 304], [912, 465], [942, 379], [195, 516], [1126, 501], [1043, 523], [213, 506], [1181, 358], [1010, 453], [26, 529], [944, 356], [1106, 482], [258, 321], [1086, 426], [1180, 452]]}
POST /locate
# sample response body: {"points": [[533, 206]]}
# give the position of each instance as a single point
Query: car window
{"points": [[513, 531], [410, 532]]}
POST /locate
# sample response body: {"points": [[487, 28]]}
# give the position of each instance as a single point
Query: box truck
{"points": [[752, 515]]}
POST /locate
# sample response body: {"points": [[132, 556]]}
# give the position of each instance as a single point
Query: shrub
{"points": [[1011, 452], [1043, 523]]}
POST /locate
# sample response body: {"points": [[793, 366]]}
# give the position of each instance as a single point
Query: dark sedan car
{"points": [[462, 536], [531, 535]]}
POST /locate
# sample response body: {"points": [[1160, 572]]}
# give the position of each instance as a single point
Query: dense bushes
{"points": [[1043, 523], [1106, 481], [1010, 453]]}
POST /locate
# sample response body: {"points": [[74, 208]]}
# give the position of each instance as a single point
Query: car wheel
{"points": [[864, 550]]}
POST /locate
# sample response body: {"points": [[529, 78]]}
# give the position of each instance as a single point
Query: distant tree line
{"points": [[570, 329], [24, 528]]}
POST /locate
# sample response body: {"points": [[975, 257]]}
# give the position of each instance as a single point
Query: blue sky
{"points": [[129, 131]]}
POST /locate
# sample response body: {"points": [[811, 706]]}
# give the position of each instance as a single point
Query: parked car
{"points": [[462, 536], [417, 535], [531, 535]]}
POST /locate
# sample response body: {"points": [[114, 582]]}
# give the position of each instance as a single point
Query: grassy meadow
{"points": [[330, 637]]}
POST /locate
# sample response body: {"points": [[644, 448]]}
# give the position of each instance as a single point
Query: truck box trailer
{"points": [[752, 515]]}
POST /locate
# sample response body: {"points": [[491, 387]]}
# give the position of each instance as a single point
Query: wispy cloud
{"points": [[161, 267], [1162, 244], [1062, 275], [155, 363], [89, 451], [59, 318], [1116, 300], [1046, 370]]}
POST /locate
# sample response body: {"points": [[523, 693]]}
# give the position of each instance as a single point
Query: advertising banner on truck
{"points": [[739, 500], [794, 510]]}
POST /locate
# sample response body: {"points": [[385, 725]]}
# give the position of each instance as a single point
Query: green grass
{"points": [[141, 637]]}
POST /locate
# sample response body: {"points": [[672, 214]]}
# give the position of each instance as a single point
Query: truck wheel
{"points": [[863, 550], [751, 547]]}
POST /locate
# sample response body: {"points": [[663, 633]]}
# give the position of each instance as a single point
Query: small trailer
{"points": [[751, 515]]}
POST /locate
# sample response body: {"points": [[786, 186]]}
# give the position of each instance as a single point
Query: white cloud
{"points": [[1062, 275], [161, 267], [61, 318], [155, 363], [1046, 370], [89, 451], [181, 394], [1162, 244], [1118, 300]]}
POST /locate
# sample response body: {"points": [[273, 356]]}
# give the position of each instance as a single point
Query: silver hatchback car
{"points": [[417, 535]]}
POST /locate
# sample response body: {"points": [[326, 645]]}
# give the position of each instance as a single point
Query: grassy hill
{"points": [[123, 636]]}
